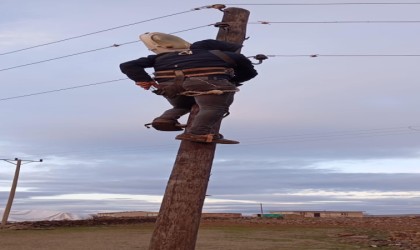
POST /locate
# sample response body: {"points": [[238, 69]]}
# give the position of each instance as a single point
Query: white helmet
{"points": [[161, 42]]}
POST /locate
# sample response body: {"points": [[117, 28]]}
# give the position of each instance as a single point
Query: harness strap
{"points": [[224, 57], [209, 92], [209, 137], [179, 77], [194, 72]]}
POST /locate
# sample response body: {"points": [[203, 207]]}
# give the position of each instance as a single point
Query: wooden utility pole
{"points": [[12, 194], [12, 190], [180, 212]]}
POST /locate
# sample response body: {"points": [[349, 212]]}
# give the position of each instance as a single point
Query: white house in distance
{"points": [[128, 214], [320, 214]]}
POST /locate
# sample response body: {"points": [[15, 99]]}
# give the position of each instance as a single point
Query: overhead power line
{"points": [[93, 50], [62, 89], [278, 55], [202, 26], [348, 55], [191, 10], [97, 32], [321, 4], [334, 22], [249, 141], [65, 56]]}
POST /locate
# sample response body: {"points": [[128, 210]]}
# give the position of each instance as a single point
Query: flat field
{"points": [[226, 234]]}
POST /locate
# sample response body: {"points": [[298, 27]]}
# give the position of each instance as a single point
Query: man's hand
{"points": [[146, 85]]}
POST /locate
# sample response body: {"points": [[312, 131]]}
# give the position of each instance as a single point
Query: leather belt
{"points": [[195, 72], [212, 77]]}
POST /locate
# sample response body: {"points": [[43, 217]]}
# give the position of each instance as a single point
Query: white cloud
{"points": [[355, 195], [101, 197], [408, 165], [6, 188]]}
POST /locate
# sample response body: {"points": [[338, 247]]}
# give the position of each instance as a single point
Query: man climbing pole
{"points": [[206, 73]]}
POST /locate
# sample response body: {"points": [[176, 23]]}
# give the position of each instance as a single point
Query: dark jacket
{"points": [[200, 57]]}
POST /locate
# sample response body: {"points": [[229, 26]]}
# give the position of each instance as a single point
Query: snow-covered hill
{"points": [[40, 215]]}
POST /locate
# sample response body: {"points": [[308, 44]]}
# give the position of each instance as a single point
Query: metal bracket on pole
{"points": [[222, 25], [213, 6], [260, 58]]}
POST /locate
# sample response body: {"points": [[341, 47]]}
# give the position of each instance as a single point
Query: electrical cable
{"points": [[335, 22], [147, 150], [348, 55], [275, 55], [97, 32], [252, 141], [183, 12], [94, 50], [202, 26], [321, 4], [62, 57], [62, 89]]}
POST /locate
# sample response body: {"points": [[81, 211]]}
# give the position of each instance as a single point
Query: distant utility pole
{"points": [[180, 212], [18, 163]]}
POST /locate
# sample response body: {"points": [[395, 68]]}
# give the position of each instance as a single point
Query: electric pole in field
{"points": [[180, 212], [18, 163]]}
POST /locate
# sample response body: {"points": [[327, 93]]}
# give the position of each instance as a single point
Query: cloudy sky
{"points": [[339, 131]]}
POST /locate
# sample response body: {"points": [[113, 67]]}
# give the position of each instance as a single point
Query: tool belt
{"points": [[195, 72], [179, 76]]}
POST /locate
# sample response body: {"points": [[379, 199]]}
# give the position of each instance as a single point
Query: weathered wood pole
{"points": [[12, 194], [180, 212]]}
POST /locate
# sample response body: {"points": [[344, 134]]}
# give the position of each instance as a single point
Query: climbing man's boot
{"points": [[163, 124], [209, 138]]}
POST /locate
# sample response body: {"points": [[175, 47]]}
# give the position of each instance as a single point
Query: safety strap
{"points": [[217, 53], [179, 77], [208, 92], [224, 57], [205, 71]]}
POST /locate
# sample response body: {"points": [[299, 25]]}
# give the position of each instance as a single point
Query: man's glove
{"points": [[146, 85], [169, 91]]}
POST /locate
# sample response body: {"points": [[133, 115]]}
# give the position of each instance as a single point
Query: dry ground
{"points": [[226, 234]]}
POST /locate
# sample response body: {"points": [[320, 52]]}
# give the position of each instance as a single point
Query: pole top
{"points": [[17, 159]]}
